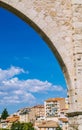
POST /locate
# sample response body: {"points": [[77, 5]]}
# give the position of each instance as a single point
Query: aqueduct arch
{"points": [[59, 22]]}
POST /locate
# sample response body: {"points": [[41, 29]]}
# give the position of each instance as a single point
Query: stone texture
{"points": [[76, 1], [59, 23]]}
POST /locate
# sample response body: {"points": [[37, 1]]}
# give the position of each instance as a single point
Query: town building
{"points": [[44, 117], [54, 107], [31, 114], [63, 123], [47, 125], [8, 121], [24, 115], [37, 112]]}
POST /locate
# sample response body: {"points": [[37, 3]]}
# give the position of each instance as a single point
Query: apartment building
{"points": [[36, 112], [54, 106]]}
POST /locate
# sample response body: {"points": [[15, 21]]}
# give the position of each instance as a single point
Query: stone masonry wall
{"points": [[59, 22], [77, 52], [54, 19]]}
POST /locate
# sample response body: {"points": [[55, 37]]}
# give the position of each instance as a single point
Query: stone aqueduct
{"points": [[59, 22]]}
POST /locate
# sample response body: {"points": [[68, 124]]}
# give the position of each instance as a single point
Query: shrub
{"points": [[3, 129]]}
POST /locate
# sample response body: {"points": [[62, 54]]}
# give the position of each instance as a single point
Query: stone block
{"points": [[76, 1]]}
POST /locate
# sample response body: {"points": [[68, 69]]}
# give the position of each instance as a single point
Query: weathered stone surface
{"points": [[76, 1], [59, 23]]}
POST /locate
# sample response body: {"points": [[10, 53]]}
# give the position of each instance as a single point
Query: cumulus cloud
{"points": [[3, 93], [15, 98], [9, 73], [13, 90], [30, 85]]}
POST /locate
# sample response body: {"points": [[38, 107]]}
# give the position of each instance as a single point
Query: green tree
{"points": [[4, 114], [3, 129], [25, 126], [58, 128], [16, 126], [22, 126]]}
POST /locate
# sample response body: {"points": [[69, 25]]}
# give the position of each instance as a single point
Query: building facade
{"points": [[36, 112], [54, 107], [47, 125]]}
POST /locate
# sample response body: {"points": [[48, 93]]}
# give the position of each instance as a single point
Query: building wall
{"points": [[36, 112], [54, 107], [24, 118]]}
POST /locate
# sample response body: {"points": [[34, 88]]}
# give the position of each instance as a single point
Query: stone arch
{"points": [[36, 28], [44, 36], [59, 24]]}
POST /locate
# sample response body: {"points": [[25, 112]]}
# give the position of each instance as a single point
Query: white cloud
{"points": [[3, 93], [30, 85], [18, 92], [9, 73], [35, 85], [28, 98], [17, 97], [57, 88], [13, 90], [10, 99]]}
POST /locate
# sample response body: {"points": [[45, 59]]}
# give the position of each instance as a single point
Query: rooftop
{"points": [[63, 119], [12, 119], [48, 124], [38, 106], [54, 99]]}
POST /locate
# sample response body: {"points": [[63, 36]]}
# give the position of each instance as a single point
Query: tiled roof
{"points": [[63, 119], [38, 106], [54, 99], [12, 119], [48, 124]]}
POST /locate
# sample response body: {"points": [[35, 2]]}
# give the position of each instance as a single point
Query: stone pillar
{"points": [[75, 94], [75, 121]]}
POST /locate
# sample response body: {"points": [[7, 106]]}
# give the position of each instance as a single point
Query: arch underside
{"points": [[63, 35], [44, 37]]}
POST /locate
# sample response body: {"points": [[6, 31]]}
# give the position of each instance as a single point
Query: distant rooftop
{"points": [[38, 106], [54, 99], [63, 119], [48, 124], [12, 118]]}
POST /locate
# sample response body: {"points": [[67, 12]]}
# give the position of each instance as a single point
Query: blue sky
{"points": [[29, 72]]}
